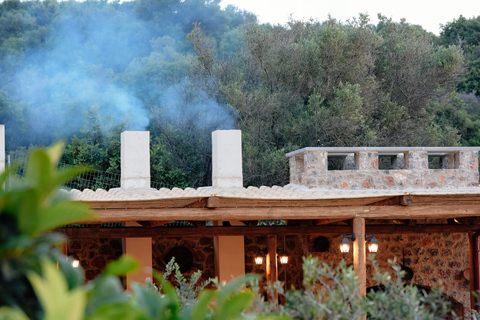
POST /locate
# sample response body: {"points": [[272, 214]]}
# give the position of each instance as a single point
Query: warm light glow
{"points": [[374, 244], [258, 260], [373, 247], [345, 243], [75, 263], [284, 259], [344, 247]]}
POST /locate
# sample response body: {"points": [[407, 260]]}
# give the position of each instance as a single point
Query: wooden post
{"points": [[472, 249], [271, 264], [359, 255]]}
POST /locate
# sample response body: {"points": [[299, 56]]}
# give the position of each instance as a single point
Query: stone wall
{"points": [[201, 249], [95, 254], [410, 170], [434, 258]]}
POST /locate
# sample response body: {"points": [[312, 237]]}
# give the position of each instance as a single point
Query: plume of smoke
{"points": [[98, 54], [201, 112], [77, 70]]}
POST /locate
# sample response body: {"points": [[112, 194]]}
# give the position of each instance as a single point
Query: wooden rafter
{"points": [[125, 232]]}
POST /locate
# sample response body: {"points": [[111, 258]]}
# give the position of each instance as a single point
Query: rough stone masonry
{"points": [[406, 168]]}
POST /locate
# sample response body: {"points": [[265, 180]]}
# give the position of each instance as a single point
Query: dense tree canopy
{"points": [[84, 71]]}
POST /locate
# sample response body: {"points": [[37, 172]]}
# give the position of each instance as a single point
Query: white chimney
{"points": [[135, 160], [227, 159], [2, 148]]}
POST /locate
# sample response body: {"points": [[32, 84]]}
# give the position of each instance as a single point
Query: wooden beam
{"points": [[273, 213], [272, 266], [145, 204], [213, 202], [360, 255], [232, 202], [420, 211], [406, 200], [128, 232], [473, 273], [319, 222]]}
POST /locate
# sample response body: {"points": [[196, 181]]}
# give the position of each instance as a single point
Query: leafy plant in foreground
{"points": [[29, 210]]}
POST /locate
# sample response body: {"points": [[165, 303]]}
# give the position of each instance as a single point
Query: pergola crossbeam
{"points": [[296, 213]]}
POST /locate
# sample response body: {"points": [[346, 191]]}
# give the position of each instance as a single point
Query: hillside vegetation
{"points": [[85, 71]]}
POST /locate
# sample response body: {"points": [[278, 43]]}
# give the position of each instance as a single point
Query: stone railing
{"points": [[385, 168]]}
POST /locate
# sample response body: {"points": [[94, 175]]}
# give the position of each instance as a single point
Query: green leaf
{"points": [[54, 152], [12, 314], [149, 301], [118, 311], [28, 211], [61, 214], [201, 307], [124, 265], [234, 285], [40, 170], [232, 307], [57, 301], [169, 291], [66, 174], [105, 291]]}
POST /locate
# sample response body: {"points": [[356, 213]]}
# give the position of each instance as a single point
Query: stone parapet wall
{"points": [[409, 170]]}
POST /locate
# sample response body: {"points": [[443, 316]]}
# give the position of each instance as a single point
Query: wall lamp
{"points": [[74, 260], [346, 243], [260, 256], [282, 256], [373, 244]]}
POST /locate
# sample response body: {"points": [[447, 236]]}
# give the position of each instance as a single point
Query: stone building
{"points": [[421, 204]]}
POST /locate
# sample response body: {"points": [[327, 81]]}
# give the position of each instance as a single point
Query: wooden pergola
{"points": [[421, 212]]}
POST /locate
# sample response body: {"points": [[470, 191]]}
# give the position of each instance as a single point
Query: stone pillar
{"points": [[2, 148], [227, 173], [227, 159], [135, 175], [135, 160], [315, 164], [367, 160], [416, 160], [297, 169], [468, 160], [359, 255]]}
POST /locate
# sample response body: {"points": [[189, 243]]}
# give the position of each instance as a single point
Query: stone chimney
{"points": [[227, 159], [135, 160], [2, 148]]}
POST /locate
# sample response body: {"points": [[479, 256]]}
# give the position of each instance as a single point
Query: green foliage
{"points": [[336, 299], [465, 33], [57, 300], [329, 84], [28, 211], [331, 293], [187, 289], [395, 300]]}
